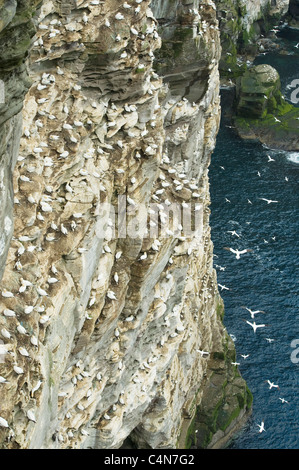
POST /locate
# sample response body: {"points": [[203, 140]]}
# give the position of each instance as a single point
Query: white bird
{"points": [[5, 333], [24, 352], [3, 423], [18, 370], [237, 252], [223, 287], [64, 154], [21, 330], [41, 291], [262, 427], [34, 340], [244, 356], [270, 159], [63, 229], [267, 200], [7, 294], [283, 400], [271, 384], [3, 380], [25, 179], [9, 313], [130, 318], [111, 295], [252, 313], [31, 416], [36, 387], [202, 353], [254, 325]]}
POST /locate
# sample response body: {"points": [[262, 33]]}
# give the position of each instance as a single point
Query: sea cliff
{"points": [[114, 335]]}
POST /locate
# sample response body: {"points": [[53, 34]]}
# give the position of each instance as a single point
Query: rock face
{"points": [[241, 24], [114, 332], [261, 111], [258, 91]]}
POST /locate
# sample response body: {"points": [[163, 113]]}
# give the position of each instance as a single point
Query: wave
{"points": [[293, 157]]}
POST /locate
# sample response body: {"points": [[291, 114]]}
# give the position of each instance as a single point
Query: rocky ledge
{"points": [[261, 111]]}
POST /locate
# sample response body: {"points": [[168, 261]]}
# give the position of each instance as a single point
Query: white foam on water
{"points": [[293, 157]]}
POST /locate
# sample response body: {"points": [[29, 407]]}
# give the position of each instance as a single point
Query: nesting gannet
{"points": [[34, 340], [3, 423], [41, 291], [233, 232], [31, 416], [21, 330], [111, 295], [5, 333], [223, 287], [18, 370], [9, 313], [24, 352], [237, 252], [7, 294]]}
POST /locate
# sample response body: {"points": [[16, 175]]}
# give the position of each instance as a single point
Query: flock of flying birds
{"points": [[255, 326]]}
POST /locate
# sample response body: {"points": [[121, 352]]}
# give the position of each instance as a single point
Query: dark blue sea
{"points": [[266, 278]]}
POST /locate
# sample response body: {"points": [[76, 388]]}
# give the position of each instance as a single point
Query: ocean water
{"points": [[267, 277]]}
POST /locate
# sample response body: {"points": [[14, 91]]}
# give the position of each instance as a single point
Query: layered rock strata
{"points": [[241, 24], [111, 331], [262, 113]]}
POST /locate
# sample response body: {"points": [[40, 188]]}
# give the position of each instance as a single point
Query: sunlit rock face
{"points": [[16, 31], [107, 322]]}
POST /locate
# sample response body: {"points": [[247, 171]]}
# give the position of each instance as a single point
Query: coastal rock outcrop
{"points": [[262, 113], [241, 25]]}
